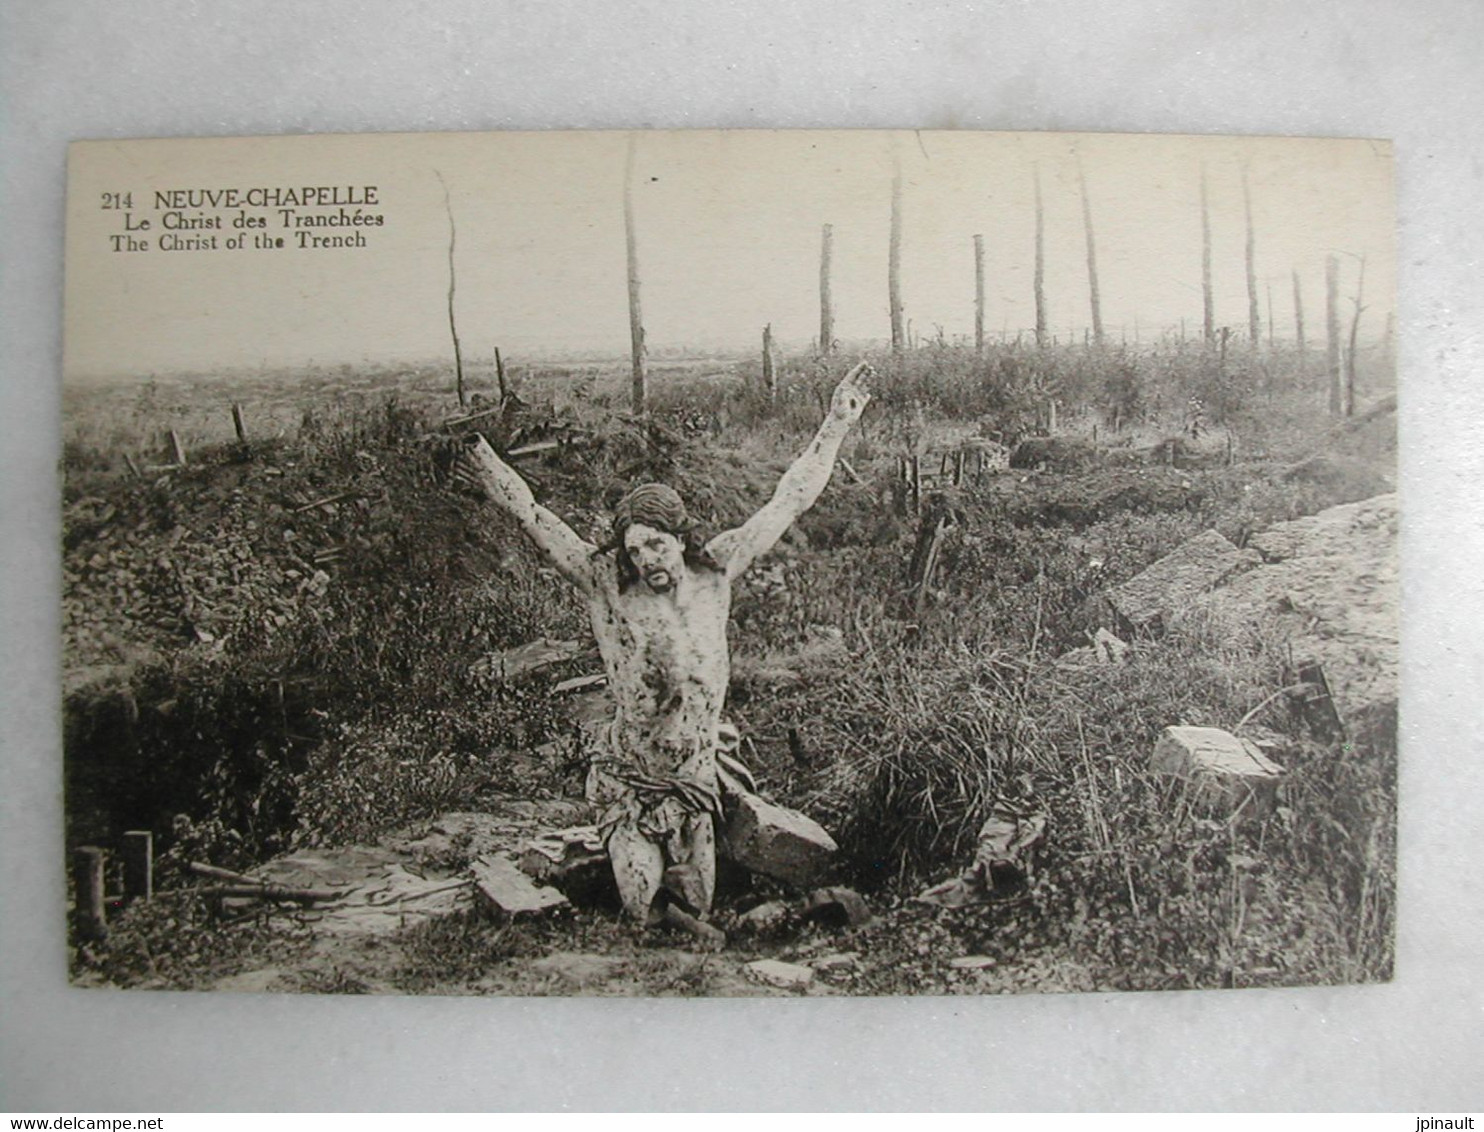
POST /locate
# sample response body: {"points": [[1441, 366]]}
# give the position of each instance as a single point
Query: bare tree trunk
{"points": [[1332, 329], [1208, 302], [979, 294], [1040, 277], [640, 384], [500, 376], [826, 302], [1254, 323], [770, 379], [453, 329], [1354, 334], [1092, 260], [894, 262], [1298, 319]]}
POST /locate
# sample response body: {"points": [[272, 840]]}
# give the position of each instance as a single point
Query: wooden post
{"points": [[826, 302], [915, 483], [1039, 283], [639, 384], [1208, 302], [770, 380], [139, 864], [1254, 325], [978, 294], [177, 450], [958, 468], [1359, 301], [87, 878], [1298, 319], [453, 328], [1092, 260], [1332, 331], [894, 262], [239, 424], [500, 377]]}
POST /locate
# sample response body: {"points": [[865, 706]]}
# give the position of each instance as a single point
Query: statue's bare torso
{"points": [[667, 662]]}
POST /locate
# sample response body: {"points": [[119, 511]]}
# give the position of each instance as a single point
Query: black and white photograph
{"points": [[729, 563]]}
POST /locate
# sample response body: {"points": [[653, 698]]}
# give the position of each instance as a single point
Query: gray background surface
{"points": [[1374, 68]]}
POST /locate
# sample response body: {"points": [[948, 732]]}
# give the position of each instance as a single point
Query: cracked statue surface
{"points": [[658, 599]]}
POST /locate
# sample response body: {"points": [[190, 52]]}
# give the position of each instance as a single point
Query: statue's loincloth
{"points": [[657, 804]]}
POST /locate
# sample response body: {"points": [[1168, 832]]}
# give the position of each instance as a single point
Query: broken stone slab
{"points": [[841, 907], [776, 973], [767, 915], [503, 889], [776, 842], [561, 851], [1144, 603], [1224, 769]]}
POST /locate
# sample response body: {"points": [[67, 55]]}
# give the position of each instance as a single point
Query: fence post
{"points": [[239, 424], [139, 864], [87, 877]]}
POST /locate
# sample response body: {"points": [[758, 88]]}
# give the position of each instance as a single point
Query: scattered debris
{"points": [[512, 665], [777, 842], [581, 684], [1223, 769], [507, 891], [1002, 860], [776, 973], [1145, 602], [971, 962], [836, 961]]}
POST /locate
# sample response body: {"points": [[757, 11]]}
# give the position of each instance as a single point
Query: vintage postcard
{"points": [[729, 563]]}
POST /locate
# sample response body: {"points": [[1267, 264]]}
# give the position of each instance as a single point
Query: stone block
{"points": [[1223, 769], [505, 890], [1143, 604], [776, 842]]}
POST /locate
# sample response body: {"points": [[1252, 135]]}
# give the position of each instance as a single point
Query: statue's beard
{"points": [[659, 580]]}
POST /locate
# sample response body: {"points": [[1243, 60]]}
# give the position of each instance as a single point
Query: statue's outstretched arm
{"points": [[800, 486], [479, 467]]}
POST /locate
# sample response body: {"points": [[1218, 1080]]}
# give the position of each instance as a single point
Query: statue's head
{"points": [[654, 540]]}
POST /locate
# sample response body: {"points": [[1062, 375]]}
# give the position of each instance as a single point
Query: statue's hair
{"points": [[659, 506]]}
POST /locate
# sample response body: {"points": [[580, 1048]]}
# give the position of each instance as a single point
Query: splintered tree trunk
{"points": [[1092, 261], [1208, 301], [1040, 276], [979, 294], [453, 327], [1298, 318], [770, 379], [640, 384], [1332, 329], [826, 301], [1254, 323], [894, 263], [500, 376], [1354, 335]]}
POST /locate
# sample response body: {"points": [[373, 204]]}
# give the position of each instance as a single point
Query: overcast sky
{"points": [[728, 238]]}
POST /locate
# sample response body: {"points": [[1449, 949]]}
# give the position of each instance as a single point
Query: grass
{"points": [[325, 715]]}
